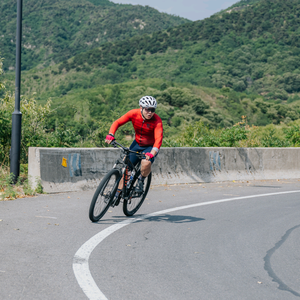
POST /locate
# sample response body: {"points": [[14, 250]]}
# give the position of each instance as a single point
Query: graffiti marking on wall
{"points": [[214, 161], [75, 164]]}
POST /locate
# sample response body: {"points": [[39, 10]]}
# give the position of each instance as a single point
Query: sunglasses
{"points": [[151, 109]]}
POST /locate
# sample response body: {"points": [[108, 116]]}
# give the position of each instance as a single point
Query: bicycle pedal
{"points": [[116, 201], [138, 193]]}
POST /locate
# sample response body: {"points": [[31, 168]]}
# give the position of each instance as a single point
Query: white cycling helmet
{"points": [[148, 101]]}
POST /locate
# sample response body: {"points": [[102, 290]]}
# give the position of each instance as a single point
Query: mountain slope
{"points": [[241, 5], [255, 49], [55, 30], [236, 55]]}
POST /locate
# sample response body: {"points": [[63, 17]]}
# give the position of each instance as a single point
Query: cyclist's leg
{"points": [[145, 171], [145, 167], [146, 164]]}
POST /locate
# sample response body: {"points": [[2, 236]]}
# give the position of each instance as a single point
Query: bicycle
{"points": [[105, 192]]}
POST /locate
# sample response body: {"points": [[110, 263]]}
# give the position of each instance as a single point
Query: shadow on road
{"points": [[173, 219], [160, 218]]}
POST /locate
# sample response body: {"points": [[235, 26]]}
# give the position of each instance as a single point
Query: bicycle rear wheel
{"points": [[132, 205], [104, 195]]}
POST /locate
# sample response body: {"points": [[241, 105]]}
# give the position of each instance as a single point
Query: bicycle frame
{"points": [[125, 165]]}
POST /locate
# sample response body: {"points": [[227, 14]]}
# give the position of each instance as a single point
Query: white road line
{"points": [[80, 260]]}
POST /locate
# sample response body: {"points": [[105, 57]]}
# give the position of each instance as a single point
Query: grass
{"points": [[21, 189]]}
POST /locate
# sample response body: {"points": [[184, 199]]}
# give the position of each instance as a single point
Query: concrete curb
{"points": [[74, 169]]}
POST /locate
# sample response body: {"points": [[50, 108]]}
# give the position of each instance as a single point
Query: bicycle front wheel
{"points": [[104, 195], [132, 205]]}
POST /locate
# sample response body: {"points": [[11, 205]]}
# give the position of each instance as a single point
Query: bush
{"points": [[270, 139], [199, 106], [230, 137], [292, 134], [176, 121]]}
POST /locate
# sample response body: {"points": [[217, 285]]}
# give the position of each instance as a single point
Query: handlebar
{"points": [[127, 150]]}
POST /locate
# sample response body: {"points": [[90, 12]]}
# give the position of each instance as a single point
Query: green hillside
{"points": [[192, 116], [55, 30], [239, 63], [241, 5], [254, 50]]}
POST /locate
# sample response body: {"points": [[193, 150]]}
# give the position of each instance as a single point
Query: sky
{"points": [[191, 9]]}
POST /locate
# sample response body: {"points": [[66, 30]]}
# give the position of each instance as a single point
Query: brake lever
{"points": [[142, 156], [114, 144]]}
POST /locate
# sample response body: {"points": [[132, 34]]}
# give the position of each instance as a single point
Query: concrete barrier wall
{"points": [[73, 169]]}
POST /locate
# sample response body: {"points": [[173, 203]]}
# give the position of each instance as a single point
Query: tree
{"points": [[34, 126], [239, 86]]}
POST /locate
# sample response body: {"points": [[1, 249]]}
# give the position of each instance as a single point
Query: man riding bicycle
{"points": [[148, 136]]}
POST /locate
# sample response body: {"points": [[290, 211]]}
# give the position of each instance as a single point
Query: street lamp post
{"points": [[17, 115]]}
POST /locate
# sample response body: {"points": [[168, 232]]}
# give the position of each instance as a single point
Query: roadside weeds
{"points": [[22, 189]]}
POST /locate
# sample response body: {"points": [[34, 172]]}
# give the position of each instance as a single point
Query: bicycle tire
{"points": [[106, 190], [131, 206]]}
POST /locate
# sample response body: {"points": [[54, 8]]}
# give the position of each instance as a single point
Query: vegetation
{"points": [[241, 5], [34, 128], [55, 30], [19, 190], [192, 116], [239, 135], [22, 188], [232, 80], [253, 50], [74, 98]]}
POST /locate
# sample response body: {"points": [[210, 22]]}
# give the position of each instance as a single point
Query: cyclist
{"points": [[148, 136]]}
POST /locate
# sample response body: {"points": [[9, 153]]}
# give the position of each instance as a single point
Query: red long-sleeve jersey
{"points": [[147, 132]]}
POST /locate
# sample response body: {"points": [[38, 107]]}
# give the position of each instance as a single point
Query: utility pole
{"points": [[17, 115]]}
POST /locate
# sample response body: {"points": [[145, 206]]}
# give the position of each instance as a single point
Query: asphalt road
{"points": [[242, 247]]}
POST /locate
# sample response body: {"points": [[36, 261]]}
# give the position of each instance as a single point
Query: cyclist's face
{"points": [[148, 113]]}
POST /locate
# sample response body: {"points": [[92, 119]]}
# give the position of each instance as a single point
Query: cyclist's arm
{"points": [[158, 137], [121, 121]]}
